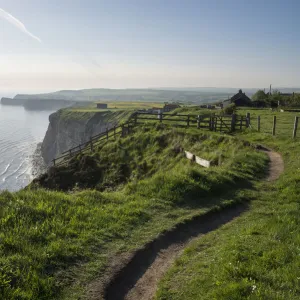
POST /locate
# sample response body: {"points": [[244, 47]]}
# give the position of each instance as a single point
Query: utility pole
{"points": [[270, 89]]}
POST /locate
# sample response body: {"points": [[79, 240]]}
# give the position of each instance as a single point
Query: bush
{"points": [[230, 109]]}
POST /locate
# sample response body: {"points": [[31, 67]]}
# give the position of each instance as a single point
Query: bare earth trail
{"points": [[136, 277]]}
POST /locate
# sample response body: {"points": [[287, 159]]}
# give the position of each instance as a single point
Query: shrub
{"points": [[230, 109]]}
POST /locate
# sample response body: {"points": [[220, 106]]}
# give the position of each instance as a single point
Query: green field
{"points": [[257, 255], [115, 105], [284, 121], [54, 244], [62, 232]]}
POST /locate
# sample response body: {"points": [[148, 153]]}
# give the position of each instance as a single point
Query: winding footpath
{"points": [[136, 278]]}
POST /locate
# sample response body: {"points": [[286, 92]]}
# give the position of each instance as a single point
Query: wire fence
{"points": [[280, 124]]}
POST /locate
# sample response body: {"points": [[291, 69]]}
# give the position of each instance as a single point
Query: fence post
{"points": [[198, 121], [188, 121], [215, 123], [295, 127], [54, 162], [274, 125], [233, 120], [106, 133], [70, 151], [221, 123], [258, 123], [160, 117], [247, 120], [212, 125]]}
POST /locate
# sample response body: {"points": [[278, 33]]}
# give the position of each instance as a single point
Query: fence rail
{"points": [[93, 143], [210, 122], [225, 123]]}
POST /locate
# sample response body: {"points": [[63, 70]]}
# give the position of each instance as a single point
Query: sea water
{"points": [[20, 132]]}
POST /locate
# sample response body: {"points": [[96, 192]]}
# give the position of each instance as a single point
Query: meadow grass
{"points": [[105, 116], [116, 105], [53, 244], [255, 256], [284, 121]]}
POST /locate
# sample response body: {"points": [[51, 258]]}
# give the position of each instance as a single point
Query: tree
{"points": [[275, 99], [260, 95]]}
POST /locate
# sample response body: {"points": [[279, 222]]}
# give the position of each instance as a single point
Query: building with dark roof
{"points": [[241, 99], [102, 105]]}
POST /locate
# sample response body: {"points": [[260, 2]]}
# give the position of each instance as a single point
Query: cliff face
{"points": [[67, 130], [40, 104], [10, 101]]}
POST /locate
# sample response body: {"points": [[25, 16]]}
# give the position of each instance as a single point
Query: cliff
{"points": [[50, 104], [40, 104], [69, 128], [10, 101]]}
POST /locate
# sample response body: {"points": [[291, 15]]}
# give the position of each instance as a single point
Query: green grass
{"points": [[284, 121], [257, 255], [117, 105], [53, 244], [105, 116]]}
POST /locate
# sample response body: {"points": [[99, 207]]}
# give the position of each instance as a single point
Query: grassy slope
{"points": [[52, 244], [257, 255]]}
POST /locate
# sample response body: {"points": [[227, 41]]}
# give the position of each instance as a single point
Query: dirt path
{"points": [[276, 166], [138, 279]]}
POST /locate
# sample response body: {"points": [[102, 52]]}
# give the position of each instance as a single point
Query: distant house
{"points": [[155, 110], [170, 107], [102, 105], [241, 99]]}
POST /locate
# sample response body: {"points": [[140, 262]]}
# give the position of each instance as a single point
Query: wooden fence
{"points": [[93, 143], [210, 122], [277, 125], [225, 123]]}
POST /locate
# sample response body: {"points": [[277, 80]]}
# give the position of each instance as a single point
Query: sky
{"points": [[74, 44]]}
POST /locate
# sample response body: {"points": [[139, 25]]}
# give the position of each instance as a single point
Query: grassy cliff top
{"points": [[257, 255], [117, 105], [119, 115], [116, 199], [64, 231]]}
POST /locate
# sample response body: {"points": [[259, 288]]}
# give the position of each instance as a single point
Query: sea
{"points": [[21, 131]]}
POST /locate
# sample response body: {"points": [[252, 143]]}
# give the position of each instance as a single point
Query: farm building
{"points": [[241, 99], [156, 110], [170, 107], [102, 105]]}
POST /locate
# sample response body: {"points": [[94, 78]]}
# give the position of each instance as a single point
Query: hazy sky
{"points": [[72, 44]]}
